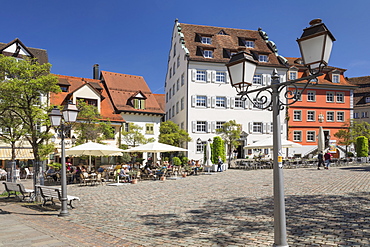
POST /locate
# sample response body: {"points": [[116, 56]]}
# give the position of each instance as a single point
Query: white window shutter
{"points": [[193, 97], [213, 102], [193, 74], [263, 128], [209, 76], [213, 130], [213, 76], [264, 79], [208, 127], [208, 101], [232, 102], [246, 104], [227, 77], [194, 125], [282, 78], [268, 128], [282, 129], [268, 77], [227, 102], [250, 124]]}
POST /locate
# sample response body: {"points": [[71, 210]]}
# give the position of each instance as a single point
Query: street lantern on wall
{"points": [[315, 45]]}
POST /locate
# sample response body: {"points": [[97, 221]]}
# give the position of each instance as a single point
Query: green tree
{"points": [[24, 89], [359, 128], [230, 133], [218, 149], [89, 126], [134, 136], [344, 136], [362, 146], [171, 134]]}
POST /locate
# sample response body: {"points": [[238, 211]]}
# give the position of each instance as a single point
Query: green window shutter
{"points": [[135, 103]]}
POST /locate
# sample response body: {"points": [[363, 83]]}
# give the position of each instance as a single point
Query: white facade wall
{"points": [[188, 117]]}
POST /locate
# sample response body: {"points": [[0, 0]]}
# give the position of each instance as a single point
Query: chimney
{"points": [[96, 71]]}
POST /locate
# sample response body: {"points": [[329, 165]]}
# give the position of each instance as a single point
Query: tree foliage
{"points": [[362, 146], [24, 86], [217, 149], [134, 136], [230, 133], [89, 126], [171, 134]]}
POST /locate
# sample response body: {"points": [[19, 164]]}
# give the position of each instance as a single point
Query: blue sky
{"points": [[134, 37]]}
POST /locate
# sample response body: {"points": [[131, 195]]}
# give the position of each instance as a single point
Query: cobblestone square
{"points": [[232, 208]]}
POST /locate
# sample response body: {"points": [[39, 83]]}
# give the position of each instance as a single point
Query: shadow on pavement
{"points": [[357, 168], [344, 219]]}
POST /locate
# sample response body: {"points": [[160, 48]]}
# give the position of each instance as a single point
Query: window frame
{"points": [[220, 102], [263, 58], [338, 96], [340, 118], [311, 113], [297, 115], [257, 127], [149, 129], [208, 53], [310, 136], [311, 96], [297, 133], [330, 116], [249, 43], [201, 126], [237, 104], [199, 99], [206, 40], [330, 97], [220, 77], [201, 75], [257, 78]]}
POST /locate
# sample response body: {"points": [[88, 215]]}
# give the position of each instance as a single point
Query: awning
{"points": [[20, 154]]}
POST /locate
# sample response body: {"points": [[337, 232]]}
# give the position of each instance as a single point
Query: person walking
{"points": [[320, 158], [327, 158], [219, 164]]}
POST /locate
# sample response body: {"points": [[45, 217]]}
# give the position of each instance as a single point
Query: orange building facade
{"points": [[327, 103]]}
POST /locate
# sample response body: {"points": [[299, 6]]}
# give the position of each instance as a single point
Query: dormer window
{"points": [[293, 73], [335, 76], [208, 53], [249, 43], [139, 103], [336, 79], [206, 40], [64, 88], [262, 58]]}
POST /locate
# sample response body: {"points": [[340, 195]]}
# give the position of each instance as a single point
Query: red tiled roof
{"points": [[362, 91], [161, 101], [122, 87], [324, 79], [230, 41], [106, 108]]}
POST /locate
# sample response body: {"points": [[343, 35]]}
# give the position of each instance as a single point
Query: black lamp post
{"points": [[62, 121], [315, 45]]}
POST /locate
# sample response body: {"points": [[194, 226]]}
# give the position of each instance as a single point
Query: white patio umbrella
{"points": [[268, 143], [321, 140], [208, 163], [94, 149]]}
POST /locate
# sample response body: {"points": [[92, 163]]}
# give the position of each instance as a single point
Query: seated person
{"points": [[100, 169], [123, 173], [51, 173], [2, 172]]}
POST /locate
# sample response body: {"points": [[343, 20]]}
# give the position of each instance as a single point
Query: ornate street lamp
{"points": [[62, 121], [315, 45]]}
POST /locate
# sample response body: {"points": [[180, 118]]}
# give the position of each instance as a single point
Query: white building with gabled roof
{"points": [[199, 97]]}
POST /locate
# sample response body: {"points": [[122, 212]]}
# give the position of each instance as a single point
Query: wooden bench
{"points": [[13, 188], [48, 194]]}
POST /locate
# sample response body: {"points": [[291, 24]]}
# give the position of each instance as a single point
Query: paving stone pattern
{"points": [[232, 208]]}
